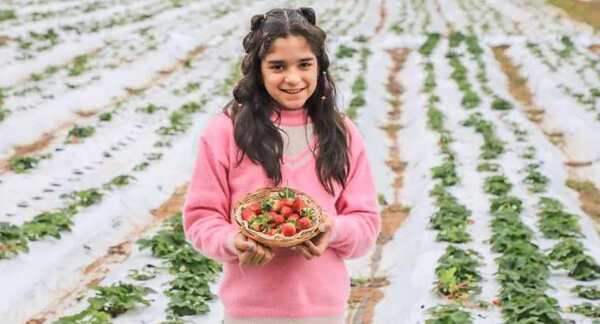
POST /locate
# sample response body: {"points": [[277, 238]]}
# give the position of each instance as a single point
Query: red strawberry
{"points": [[288, 229], [278, 205], [255, 208], [304, 223], [496, 302], [298, 204], [248, 214], [288, 202], [293, 216], [279, 219], [286, 210], [272, 215]]}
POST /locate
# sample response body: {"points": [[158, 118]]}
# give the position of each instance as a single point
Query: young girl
{"points": [[283, 129]]}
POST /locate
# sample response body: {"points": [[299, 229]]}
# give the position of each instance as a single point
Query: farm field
{"points": [[482, 124]]}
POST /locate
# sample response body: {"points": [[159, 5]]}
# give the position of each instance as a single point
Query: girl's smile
{"points": [[289, 71]]}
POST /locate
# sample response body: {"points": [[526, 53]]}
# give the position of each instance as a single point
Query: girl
{"points": [[283, 128]]}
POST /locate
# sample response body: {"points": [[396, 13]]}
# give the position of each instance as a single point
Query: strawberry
{"points": [[293, 216], [304, 223], [278, 205], [255, 207], [286, 210], [298, 204], [272, 215], [248, 214], [279, 219], [288, 202], [272, 231], [288, 229], [496, 302]]}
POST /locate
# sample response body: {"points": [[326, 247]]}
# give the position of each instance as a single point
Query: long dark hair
{"points": [[251, 107]]}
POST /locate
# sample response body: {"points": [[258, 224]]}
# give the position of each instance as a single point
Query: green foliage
{"points": [[84, 198], [488, 167], [497, 185], [12, 240], [79, 65], [457, 275], [78, 132], [7, 15], [151, 108], [23, 164], [586, 309], [587, 292], [569, 254], [48, 224], [501, 104], [345, 51], [446, 172], [449, 314], [432, 40], [105, 116]]}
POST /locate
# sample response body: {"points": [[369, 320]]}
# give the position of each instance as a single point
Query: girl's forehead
{"points": [[289, 47]]}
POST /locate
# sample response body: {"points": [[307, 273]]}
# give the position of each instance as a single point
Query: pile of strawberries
{"points": [[286, 216]]}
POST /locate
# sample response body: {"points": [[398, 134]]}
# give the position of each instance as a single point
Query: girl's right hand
{"points": [[250, 252]]}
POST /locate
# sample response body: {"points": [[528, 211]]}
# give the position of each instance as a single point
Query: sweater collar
{"points": [[288, 117]]}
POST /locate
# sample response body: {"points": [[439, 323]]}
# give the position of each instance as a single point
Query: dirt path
{"points": [[366, 294], [589, 195], [49, 137]]}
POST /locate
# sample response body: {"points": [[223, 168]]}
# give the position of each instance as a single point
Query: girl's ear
{"points": [[309, 14]]}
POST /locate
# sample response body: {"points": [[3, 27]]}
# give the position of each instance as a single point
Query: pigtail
{"points": [[309, 14]]}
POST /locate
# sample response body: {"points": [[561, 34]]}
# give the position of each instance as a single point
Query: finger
{"points": [[244, 258], [324, 227], [305, 252], [268, 257], [313, 248]]}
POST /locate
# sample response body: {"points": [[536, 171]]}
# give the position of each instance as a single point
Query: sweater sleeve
{"points": [[206, 210], [358, 221]]}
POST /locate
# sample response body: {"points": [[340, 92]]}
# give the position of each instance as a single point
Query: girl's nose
{"points": [[292, 78]]}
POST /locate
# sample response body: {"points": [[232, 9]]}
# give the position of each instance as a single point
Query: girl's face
{"points": [[290, 71]]}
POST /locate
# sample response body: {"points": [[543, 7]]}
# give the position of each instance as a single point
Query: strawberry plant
{"points": [[12, 240], [448, 314], [587, 292], [446, 172], [488, 167], [48, 224], [585, 309], [77, 133], [430, 44], [105, 116], [7, 15], [147, 272], [3, 112], [497, 185], [569, 255], [189, 292], [501, 104], [78, 65], [83, 198], [457, 273], [345, 51], [536, 181], [23, 164], [88, 316], [556, 223], [118, 181], [150, 109]]}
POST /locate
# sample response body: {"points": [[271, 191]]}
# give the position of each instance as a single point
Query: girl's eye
{"points": [[277, 67], [305, 65]]}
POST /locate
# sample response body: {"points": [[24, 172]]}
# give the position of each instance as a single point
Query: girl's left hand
{"points": [[316, 246]]}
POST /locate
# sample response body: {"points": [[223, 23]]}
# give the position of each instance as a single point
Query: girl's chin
{"points": [[292, 104]]}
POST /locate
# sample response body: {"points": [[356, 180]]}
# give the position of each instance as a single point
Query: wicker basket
{"points": [[277, 240]]}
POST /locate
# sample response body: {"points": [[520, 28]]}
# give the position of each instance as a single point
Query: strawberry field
{"points": [[482, 124]]}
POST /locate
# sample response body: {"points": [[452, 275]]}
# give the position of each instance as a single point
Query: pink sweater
{"points": [[289, 286]]}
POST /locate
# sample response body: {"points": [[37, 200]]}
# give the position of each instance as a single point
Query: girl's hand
{"points": [[250, 252], [316, 246]]}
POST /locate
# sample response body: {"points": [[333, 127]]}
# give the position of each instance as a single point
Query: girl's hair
{"points": [[251, 107]]}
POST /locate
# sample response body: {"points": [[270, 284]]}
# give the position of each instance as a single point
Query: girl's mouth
{"points": [[292, 91]]}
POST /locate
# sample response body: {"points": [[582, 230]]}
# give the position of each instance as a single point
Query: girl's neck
{"points": [[289, 117]]}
